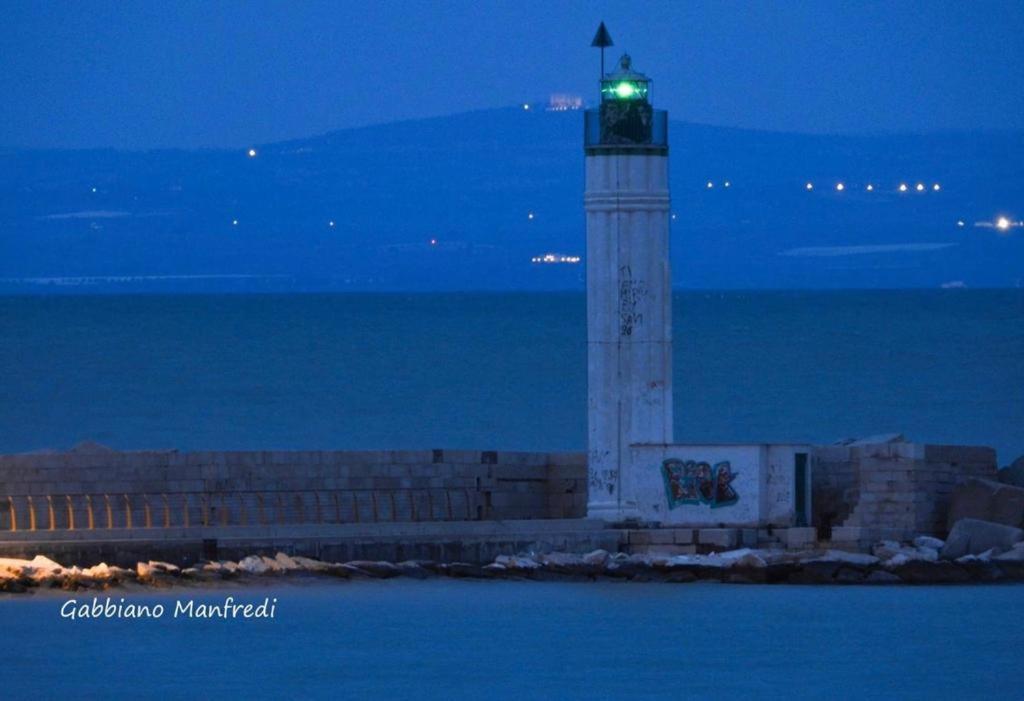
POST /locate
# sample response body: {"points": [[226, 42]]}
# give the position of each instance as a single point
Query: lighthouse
{"points": [[629, 302]]}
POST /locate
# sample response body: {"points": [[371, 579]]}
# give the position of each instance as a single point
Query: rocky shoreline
{"points": [[891, 563]]}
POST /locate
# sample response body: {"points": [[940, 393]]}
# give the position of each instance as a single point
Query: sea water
{"points": [[500, 371], [508, 372], [448, 639]]}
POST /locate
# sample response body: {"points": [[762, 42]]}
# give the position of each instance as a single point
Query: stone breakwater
{"points": [[919, 562]]}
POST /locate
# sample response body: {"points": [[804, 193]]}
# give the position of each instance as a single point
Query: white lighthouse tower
{"points": [[629, 303]]}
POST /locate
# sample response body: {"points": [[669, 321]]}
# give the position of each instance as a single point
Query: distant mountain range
{"points": [[467, 201]]}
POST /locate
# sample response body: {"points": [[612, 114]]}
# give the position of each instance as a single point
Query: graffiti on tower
{"points": [[631, 294], [693, 482]]}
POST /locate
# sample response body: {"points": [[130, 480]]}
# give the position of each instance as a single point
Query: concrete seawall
{"points": [[92, 502]]}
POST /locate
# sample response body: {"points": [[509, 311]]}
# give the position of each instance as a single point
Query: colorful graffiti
{"points": [[692, 482]]}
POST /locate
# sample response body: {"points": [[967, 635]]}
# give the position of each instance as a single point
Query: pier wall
{"points": [[893, 490], [100, 489]]}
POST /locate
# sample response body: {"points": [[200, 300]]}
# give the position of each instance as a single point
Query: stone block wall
{"points": [[98, 488], [896, 490]]}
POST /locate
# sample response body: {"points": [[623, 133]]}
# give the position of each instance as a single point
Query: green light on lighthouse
{"points": [[625, 84]]}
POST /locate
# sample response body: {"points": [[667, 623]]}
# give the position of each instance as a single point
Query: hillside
{"points": [[470, 182]]}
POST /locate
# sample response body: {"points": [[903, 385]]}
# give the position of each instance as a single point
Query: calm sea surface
{"points": [[533, 640], [499, 371]]}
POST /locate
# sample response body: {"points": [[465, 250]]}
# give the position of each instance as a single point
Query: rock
{"points": [[287, 563], [309, 564], [414, 570], [108, 573], [886, 549], [681, 576], [901, 554], [882, 577], [1014, 554], [926, 541], [517, 562], [378, 569], [750, 560], [841, 556], [596, 557], [11, 585], [941, 572], [564, 562], [1014, 474], [230, 570], [164, 567], [814, 572], [336, 569], [273, 566], [849, 575], [253, 564], [146, 573], [983, 557], [495, 570], [466, 570], [974, 536], [987, 500]]}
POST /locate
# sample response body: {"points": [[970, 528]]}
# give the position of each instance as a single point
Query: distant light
{"points": [[840, 187], [234, 222], [624, 90], [1002, 223], [94, 189], [529, 215], [550, 258], [903, 187], [870, 187], [433, 242], [526, 106], [936, 187], [252, 153], [710, 184], [809, 186], [673, 217], [330, 223], [920, 187], [960, 222], [727, 183]]}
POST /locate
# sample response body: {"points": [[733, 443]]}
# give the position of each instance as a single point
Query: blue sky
{"points": [[155, 74]]}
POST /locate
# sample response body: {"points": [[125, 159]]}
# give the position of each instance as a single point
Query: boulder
{"points": [[842, 556], [466, 570], [287, 563], [376, 568], [164, 567], [253, 564], [893, 554], [926, 541], [973, 536], [987, 500], [1014, 474], [562, 562], [882, 577], [309, 564], [921, 572], [1014, 554], [517, 562], [597, 558], [273, 566]]}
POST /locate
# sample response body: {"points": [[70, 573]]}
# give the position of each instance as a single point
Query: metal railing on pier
{"points": [[60, 512]]}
